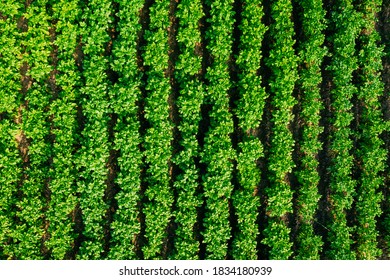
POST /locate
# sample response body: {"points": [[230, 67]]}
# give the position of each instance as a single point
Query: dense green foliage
{"points": [[249, 111], [283, 64], [158, 138], [345, 25], [28, 233], [311, 53], [95, 148], [10, 160], [63, 109], [371, 154], [188, 129], [124, 96], [217, 151], [191, 94]]}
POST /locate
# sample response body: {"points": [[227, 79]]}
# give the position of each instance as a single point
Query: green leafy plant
{"points": [[191, 95], [124, 96], [10, 161], [283, 63], [311, 55], [94, 153], [158, 138], [249, 111], [371, 152], [346, 25], [217, 152]]}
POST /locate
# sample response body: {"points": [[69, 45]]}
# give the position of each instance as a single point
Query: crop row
{"points": [[311, 54], [10, 161], [124, 98], [191, 94], [345, 25], [249, 111], [158, 137], [28, 233], [371, 153], [217, 152], [94, 152], [283, 62], [63, 110]]}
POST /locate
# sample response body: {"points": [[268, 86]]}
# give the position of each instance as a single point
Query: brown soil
{"points": [[22, 24], [23, 145]]}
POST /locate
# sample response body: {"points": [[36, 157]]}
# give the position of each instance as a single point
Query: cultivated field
{"points": [[194, 129]]}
